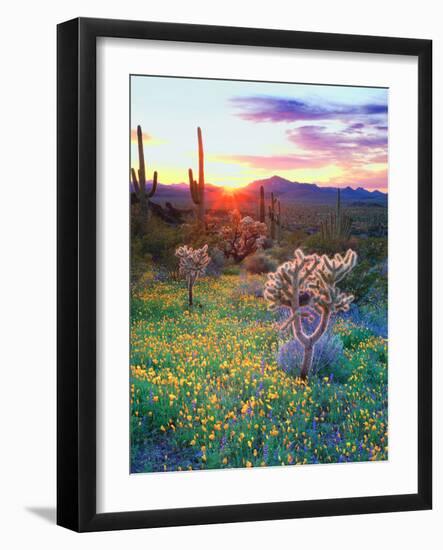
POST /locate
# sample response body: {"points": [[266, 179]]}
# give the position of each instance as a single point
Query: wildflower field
{"points": [[258, 302], [210, 387]]}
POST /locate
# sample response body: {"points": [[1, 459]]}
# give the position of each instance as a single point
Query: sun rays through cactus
{"points": [[307, 287], [192, 265]]}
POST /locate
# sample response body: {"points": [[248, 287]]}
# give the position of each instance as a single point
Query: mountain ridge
{"points": [[289, 191]]}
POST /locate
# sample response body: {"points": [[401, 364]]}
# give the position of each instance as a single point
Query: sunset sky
{"points": [[329, 135]]}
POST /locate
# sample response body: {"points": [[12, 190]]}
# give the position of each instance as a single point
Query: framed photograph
{"points": [[244, 274]]}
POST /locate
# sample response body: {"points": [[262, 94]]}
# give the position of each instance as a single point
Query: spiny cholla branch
{"points": [[305, 285], [192, 264]]}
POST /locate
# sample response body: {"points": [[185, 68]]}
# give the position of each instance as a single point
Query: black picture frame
{"points": [[77, 248]]}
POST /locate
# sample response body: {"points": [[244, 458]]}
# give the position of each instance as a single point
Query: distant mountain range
{"points": [[290, 192], [309, 193]]}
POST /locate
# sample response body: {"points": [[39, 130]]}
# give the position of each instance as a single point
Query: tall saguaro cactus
{"points": [[307, 287], [198, 188], [262, 204], [140, 182], [274, 215]]}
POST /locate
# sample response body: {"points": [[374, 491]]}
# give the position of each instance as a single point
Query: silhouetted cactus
{"points": [[273, 215], [198, 188], [139, 183], [275, 218], [262, 204], [338, 226], [306, 286]]}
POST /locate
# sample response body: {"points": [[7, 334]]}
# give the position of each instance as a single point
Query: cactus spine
{"points": [[139, 183], [262, 204], [339, 225], [198, 188]]}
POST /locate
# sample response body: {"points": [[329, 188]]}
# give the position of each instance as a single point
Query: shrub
{"points": [[241, 237], [215, 267], [280, 253], [231, 268], [374, 249], [328, 354], [250, 286], [158, 243], [267, 243], [319, 245], [294, 238], [372, 317], [367, 283], [259, 263]]}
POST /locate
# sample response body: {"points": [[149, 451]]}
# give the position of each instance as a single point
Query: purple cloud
{"points": [[345, 145], [278, 109], [357, 127]]}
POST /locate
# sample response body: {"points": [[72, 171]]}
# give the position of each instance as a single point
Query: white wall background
{"points": [[27, 288]]}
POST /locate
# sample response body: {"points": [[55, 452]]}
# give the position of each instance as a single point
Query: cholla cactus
{"points": [[192, 264], [307, 287], [242, 236]]}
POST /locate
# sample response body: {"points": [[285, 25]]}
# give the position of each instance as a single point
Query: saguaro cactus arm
{"points": [[193, 185], [154, 185], [134, 181]]}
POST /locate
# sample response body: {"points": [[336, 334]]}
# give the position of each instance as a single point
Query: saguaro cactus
{"points": [[272, 215], [339, 225], [198, 188], [262, 204], [307, 287], [278, 221], [192, 264], [139, 183], [275, 218]]}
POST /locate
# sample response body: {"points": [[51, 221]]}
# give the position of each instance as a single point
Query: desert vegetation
{"points": [[258, 333]]}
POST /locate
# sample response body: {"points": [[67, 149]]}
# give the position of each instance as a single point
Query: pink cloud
{"points": [[351, 150], [276, 162], [363, 178]]}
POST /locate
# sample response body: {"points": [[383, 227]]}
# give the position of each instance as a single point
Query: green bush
{"points": [[231, 268], [259, 263], [317, 244]]}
